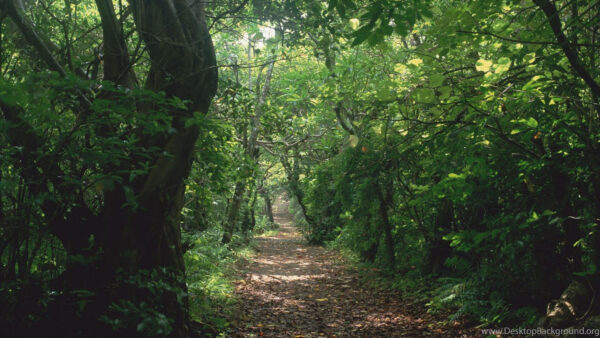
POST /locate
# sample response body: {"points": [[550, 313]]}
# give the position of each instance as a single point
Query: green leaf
{"points": [[353, 140], [548, 212], [444, 92], [436, 80], [531, 122], [424, 95], [385, 91], [502, 65], [130, 197], [532, 83], [415, 62], [361, 35], [341, 10], [590, 271], [349, 4], [529, 58], [400, 68], [483, 65]]}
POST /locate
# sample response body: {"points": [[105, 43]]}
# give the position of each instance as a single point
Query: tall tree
{"points": [[133, 228]]}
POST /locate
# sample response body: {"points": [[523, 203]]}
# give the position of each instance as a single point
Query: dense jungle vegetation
{"points": [[454, 146]]}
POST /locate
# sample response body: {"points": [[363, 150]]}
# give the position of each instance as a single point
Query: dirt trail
{"points": [[296, 290]]}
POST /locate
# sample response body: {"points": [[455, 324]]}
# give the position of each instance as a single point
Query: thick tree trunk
{"points": [[135, 260]]}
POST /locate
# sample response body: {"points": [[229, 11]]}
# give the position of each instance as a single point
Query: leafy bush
{"points": [[209, 277]]}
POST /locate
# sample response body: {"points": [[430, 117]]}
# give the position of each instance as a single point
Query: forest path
{"points": [[293, 289]]}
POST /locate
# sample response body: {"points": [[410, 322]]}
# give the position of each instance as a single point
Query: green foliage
{"points": [[445, 142], [485, 143], [472, 300], [148, 318], [264, 226], [209, 277]]}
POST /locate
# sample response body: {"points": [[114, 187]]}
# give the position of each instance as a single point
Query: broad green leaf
{"points": [[436, 80], [424, 95], [548, 212], [591, 269], [483, 65], [502, 65], [529, 58], [130, 197], [361, 35], [531, 122], [532, 83], [444, 92]]}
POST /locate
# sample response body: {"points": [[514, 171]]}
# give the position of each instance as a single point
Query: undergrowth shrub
{"points": [[263, 225], [209, 278]]}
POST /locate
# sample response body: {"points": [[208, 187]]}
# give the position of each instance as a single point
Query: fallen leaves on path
{"points": [[296, 290]]}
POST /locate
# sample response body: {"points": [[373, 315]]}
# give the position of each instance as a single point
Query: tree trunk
{"points": [[234, 211], [292, 173], [268, 207], [439, 249], [246, 218], [549, 9], [384, 202], [250, 219], [570, 225], [370, 253]]}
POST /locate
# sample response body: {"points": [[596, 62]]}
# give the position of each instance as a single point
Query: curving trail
{"points": [[296, 290]]}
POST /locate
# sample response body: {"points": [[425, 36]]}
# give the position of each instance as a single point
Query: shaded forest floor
{"points": [[294, 289]]}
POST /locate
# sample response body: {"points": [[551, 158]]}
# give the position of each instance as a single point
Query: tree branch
{"points": [[224, 14], [116, 57], [554, 20], [14, 10], [342, 121]]}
